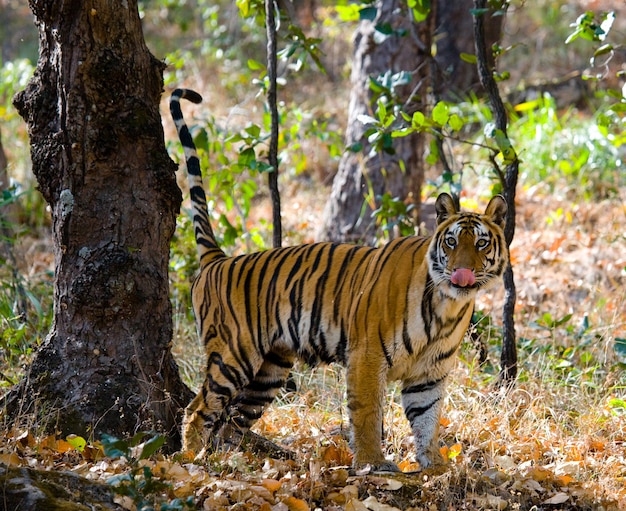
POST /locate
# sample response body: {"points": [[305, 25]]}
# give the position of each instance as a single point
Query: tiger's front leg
{"points": [[422, 403], [366, 383]]}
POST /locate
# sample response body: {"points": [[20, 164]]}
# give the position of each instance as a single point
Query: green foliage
{"points": [[139, 483], [25, 305], [568, 152], [393, 214], [590, 29], [13, 77], [25, 318], [562, 354], [565, 354]]}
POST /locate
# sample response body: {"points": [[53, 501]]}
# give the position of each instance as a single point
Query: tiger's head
{"points": [[468, 251]]}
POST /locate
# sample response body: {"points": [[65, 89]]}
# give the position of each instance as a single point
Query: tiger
{"points": [[392, 313]]}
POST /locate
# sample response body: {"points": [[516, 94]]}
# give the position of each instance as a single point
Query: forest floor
{"points": [[555, 441]]}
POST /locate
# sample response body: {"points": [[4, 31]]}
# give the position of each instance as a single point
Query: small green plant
{"points": [[566, 151], [145, 489], [25, 304], [394, 214]]}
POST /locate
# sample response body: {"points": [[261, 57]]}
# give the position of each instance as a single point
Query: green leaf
{"points": [[152, 446], [418, 120], [470, 58], [77, 442], [403, 132], [479, 12], [255, 65], [114, 447], [455, 122], [504, 144], [368, 13], [357, 147], [253, 130], [350, 12], [618, 406], [433, 154], [441, 113], [137, 438], [246, 157], [620, 346], [421, 9], [244, 7], [605, 48], [384, 28], [201, 139]]}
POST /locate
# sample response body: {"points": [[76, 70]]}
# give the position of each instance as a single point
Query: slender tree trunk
{"points": [[92, 110], [508, 178], [348, 216]]}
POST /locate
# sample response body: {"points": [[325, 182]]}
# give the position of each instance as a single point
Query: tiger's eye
{"points": [[481, 243], [451, 241]]}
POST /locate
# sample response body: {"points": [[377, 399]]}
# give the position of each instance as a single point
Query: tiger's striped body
{"points": [[393, 313]]}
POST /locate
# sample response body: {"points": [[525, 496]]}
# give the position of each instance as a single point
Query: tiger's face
{"points": [[468, 251]]}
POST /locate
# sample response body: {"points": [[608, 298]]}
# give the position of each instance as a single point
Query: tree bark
{"points": [[508, 356], [348, 216], [454, 77], [98, 152]]}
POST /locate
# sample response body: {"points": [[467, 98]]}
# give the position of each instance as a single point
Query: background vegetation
{"points": [[558, 435]]}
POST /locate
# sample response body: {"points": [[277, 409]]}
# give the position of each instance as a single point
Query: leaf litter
{"points": [[550, 443]]}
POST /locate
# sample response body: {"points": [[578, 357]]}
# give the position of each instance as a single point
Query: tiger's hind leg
{"points": [[225, 377], [248, 406]]}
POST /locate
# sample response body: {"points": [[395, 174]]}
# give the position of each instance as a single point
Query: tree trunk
{"points": [[92, 110], [454, 77], [348, 216], [508, 178]]}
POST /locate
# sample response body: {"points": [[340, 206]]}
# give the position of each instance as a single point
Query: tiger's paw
{"points": [[193, 440], [431, 458], [382, 467]]}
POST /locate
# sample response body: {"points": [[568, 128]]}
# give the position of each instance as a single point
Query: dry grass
{"points": [[560, 432]]}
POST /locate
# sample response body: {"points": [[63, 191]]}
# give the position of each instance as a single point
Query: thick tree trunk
{"points": [[100, 160], [348, 216]]}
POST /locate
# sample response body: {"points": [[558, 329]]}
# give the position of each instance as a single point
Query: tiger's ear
{"points": [[445, 207], [496, 209]]}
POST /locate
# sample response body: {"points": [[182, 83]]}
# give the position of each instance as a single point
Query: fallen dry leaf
{"points": [[558, 498], [296, 504]]}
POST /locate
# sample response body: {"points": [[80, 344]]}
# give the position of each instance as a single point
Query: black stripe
{"points": [[422, 387], [342, 345], [229, 372], [277, 360], [446, 354], [427, 306], [261, 386], [384, 348], [221, 392], [412, 412]]}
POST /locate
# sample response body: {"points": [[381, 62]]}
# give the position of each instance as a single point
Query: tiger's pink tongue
{"points": [[463, 277]]}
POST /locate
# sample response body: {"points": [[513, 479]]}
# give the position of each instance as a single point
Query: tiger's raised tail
{"points": [[205, 239]]}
